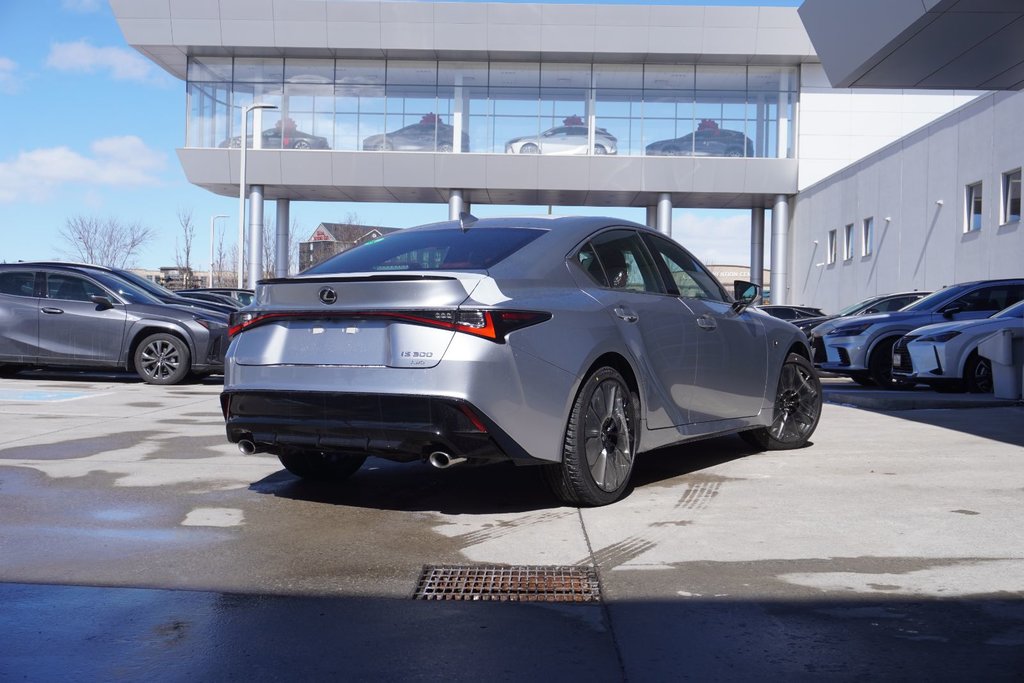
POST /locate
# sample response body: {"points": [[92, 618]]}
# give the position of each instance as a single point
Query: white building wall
{"points": [[840, 126], [923, 244]]}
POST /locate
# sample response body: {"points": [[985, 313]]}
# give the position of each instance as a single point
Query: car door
{"points": [[73, 328], [732, 349], [657, 329], [19, 316]]}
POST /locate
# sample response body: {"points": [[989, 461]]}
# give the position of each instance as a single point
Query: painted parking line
{"points": [[40, 396]]}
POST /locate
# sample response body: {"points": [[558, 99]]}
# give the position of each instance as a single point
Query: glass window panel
{"points": [[619, 112], [209, 114], [411, 73], [721, 77], [974, 208], [563, 107], [772, 79], [259, 69], [565, 75], [309, 70], [848, 242], [516, 114], [462, 73], [669, 77], [868, 237], [511, 74], [830, 255], [668, 115], [479, 122], [209, 69], [359, 72], [1011, 197]]}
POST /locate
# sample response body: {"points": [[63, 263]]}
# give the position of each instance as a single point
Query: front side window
{"points": [[1011, 197], [18, 283], [868, 238], [620, 261], [973, 208], [690, 277], [990, 299], [830, 256], [71, 287]]}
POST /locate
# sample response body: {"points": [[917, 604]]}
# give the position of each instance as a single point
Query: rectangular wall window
{"points": [[973, 213], [1011, 197], [867, 245], [848, 242], [830, 255]]}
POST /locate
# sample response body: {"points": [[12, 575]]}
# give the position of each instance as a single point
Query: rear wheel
{"points": [[300, 144], [599, 150], [978, 374], [600, 442], [529, 148], [162, 358], [797, 408], [321, 465]]}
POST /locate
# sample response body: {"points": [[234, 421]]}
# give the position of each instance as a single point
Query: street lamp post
{"points": [[213, 220], [241, 184]]}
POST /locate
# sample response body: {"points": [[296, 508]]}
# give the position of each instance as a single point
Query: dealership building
{"points": [[880, 161]]}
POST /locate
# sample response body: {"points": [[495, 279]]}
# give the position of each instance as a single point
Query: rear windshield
{"points": [[474, 249]]}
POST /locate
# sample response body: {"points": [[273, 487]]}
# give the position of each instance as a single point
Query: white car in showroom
{"points": [[945, 356]]}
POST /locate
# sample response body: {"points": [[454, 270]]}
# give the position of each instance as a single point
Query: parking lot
{"points": [[136, 542]]}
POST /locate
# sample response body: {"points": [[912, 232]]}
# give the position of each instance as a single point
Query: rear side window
{"points": [[18, 283], [474, 249]]}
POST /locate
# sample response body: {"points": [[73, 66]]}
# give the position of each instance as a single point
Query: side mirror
{"points": [[951, 310], [102, 302], [745, 293], [869, 311]]}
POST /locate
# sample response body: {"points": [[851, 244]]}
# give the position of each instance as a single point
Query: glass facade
{"points": [[496, 107]]}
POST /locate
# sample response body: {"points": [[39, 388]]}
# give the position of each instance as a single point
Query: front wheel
{"points": [[797, 408], [600, 442], [529, 148], [880, 366], [162, 358], [978, 374], [321, 465]]}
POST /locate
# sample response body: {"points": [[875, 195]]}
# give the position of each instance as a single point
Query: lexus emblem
{"points": [[328, 295]]}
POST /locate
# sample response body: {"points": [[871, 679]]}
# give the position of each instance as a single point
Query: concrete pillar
{"points": [[757, 246], [255, 236], [456, 205], [665, 213], [281, 250], [780, 249], [652, 216]]}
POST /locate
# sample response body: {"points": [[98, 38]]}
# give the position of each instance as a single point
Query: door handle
{"points": [[624, 313], [706, 322], [52, 311]]}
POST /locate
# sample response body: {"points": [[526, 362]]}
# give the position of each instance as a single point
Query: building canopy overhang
{"points": [[933, 44]]}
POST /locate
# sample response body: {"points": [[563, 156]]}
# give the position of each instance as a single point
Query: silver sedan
{"points": [[568, 343]]}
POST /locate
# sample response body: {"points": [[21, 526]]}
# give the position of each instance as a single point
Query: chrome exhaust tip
{"points": [[442, 460], [247, 447]]}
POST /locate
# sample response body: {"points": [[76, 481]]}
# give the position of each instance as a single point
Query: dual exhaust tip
{"points": [[439, 459]]}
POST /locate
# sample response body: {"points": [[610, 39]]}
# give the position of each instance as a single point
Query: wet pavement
{"points": [[135, 542]]}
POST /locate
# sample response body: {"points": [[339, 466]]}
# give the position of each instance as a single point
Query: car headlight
{"points": [[849, 330], [940, 337]]}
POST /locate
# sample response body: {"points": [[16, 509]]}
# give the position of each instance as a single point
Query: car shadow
{"points": [[496, 488], [110, 376]]}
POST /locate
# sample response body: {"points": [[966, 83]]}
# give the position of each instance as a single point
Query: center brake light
{"points": [[493, 325]]}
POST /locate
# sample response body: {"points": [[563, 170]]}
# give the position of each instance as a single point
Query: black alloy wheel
{"points": [[978, 374], [798, 400]]}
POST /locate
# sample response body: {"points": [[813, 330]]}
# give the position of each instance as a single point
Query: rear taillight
{"points": [[488, 324]]}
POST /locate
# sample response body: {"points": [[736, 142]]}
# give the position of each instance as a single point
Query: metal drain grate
{"points": [[509, 583]]}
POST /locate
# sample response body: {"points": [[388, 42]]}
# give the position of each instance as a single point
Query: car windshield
{"points": [[124, 289], [142, 283], [474, 249], [934, 299], [860, 305], [1014, 311]]}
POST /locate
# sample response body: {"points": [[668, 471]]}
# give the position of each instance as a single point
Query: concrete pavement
{"points": [[135, 542]]}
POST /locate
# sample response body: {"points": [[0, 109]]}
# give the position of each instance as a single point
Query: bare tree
{"points": [[270, 251], [183, 255], [225, 265], [104, 242]]}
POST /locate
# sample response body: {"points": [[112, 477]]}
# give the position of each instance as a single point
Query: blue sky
{"points": [[91, 129]]}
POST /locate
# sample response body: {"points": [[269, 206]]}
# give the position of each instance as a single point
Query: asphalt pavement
{"points": [[136, 543]]}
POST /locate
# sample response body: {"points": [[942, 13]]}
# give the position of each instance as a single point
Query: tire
{"points": [[300, 144], [9, 370], [733, 152], [445, 148], [797, 410], [600, 442], [599, 150], [978, 374], [863, 380], [321, 465], [162, 358], [529, 148], [672, 151], [880, 366]]}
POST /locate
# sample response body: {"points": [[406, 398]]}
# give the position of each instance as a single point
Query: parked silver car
{"points": [[563, 140], [88, 317], [572, 343]]}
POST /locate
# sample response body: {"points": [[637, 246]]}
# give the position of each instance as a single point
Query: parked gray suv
{"points": [[81, 316], [861, 346]]}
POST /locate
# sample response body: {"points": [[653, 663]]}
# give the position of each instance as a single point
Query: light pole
{"points": [[241, 184], [213, 220]]}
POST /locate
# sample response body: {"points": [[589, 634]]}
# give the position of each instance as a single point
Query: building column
{"points": [[281, 250], [757, 246], [665, 213], [255, 236], [456, 205], [780, 248], [652, 216]]}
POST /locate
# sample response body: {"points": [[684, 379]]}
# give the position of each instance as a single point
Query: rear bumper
{"points": [[395, 427]]}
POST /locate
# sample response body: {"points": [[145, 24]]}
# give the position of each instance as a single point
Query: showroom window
{"points": [[867, 245], [1011, 197], [973, 213], [830, 256], [848, 242]]}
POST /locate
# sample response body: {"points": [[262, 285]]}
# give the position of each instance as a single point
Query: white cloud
{"points": [[82, 57], [9, 82], [114, 162], [81, 6]]}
